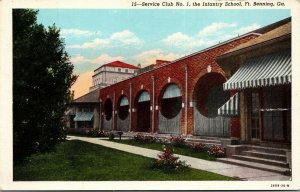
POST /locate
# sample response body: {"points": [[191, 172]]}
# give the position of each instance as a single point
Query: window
{"points": [[126, 70], [119, 69], [171, 101]]}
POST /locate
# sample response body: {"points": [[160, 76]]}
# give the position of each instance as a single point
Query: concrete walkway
{"points": [[229, 170]]}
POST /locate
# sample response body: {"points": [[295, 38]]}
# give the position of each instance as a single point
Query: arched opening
{"points": [[123, 114], [170, 109], [108, 112], [123, 108], [108, 109], [171, 101], [143, 112], [208, 97]]}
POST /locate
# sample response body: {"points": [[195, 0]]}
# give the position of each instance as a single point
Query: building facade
{"points": [[260, 72], [111, 73], [83, 113], [178, 97]]}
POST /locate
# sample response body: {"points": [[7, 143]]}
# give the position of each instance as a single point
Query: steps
{"points": [[261, 157]]}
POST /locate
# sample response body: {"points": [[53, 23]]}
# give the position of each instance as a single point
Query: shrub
{"points": [[168, 162], [111, 136], [144, 139], [177, 141], [216, 151], [197, 147]]}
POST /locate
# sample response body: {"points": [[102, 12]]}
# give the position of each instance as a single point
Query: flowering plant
{"points": [[197, 147], [216, 151], [177, 141], [168, 162], [144, 139]]}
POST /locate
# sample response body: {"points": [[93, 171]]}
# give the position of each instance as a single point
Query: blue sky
{"points": [[97, 36]]}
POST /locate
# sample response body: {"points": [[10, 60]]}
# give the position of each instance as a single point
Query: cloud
{"points": [[126, 38], [246, 29], [118, 39], [105, 58], [101, 59], [149, 57], [214, 28], [77, 33], [82, 84], [214, 33], [78, 59]]}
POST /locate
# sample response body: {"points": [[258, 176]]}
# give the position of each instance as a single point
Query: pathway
{"points": [[229, 170]]}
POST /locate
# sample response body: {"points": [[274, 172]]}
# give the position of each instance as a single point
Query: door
{"points": [[254, 116]]}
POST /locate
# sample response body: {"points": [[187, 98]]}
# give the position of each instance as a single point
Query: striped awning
{"points": [[231, 107], [84, 116], [144, 96], [267, 70]]}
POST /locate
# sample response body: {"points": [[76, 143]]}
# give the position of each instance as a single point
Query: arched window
{"points": [[123, 108], [171, 102], [144, 96], [108, 109]]}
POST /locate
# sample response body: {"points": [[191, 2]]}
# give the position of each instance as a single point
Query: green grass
{"points": [[183, 150], [81, 161]]}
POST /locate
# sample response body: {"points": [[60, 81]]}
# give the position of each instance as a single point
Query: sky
{"points": [[94, 37]]}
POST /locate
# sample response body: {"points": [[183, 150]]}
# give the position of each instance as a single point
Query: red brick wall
{"points": [[172, 73]]}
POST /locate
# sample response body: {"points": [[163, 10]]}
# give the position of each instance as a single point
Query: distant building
{"points": [[83, 113], [111, 73]]}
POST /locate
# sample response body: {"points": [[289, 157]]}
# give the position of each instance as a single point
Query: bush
{"points": [[178, 141], [111, 136], [168, 162], [198, 147], [216, 151], [144, 139]]}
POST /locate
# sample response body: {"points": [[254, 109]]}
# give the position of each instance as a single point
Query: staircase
{"points": [[261, 157], [208, 141]]}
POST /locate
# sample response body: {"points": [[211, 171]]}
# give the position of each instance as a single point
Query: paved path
{"points": [[244, 173]]}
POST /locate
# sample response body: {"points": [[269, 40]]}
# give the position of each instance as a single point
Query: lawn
{"points": [[81, 161], [183, 150]]}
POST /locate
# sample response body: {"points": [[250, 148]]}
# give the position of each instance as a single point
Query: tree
{"points": [[42, 77]]}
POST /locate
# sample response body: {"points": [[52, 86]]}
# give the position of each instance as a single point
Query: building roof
{"points": [[276, 33], [119, 64], [91, 97]]}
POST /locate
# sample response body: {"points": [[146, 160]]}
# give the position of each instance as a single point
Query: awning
{"points": [[267, 70], [231, 107], [84, 116], [144, 97]]}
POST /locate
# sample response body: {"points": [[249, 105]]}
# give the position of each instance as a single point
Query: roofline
{"points": [[245, 49], [104, 65], [85, 95], [280, 22], [191, 55]]}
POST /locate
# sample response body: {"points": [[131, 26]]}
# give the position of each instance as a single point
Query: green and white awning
{"points": [[171, 92], [267, 70], [144, 96], [84, 116], [231, 107]]}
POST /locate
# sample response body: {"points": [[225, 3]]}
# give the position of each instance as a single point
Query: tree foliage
{"points": [[42, 76]]}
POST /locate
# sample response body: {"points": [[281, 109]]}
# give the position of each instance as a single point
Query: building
{"points": [[260, 72], [178, 97], [238, 92], [83, 113], [111, 73]]}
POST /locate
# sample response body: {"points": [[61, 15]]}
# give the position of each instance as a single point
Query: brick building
{"points": [[178, 97]]}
